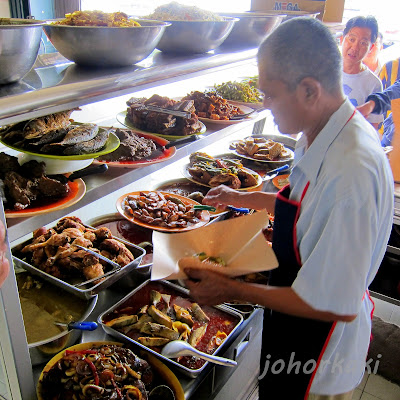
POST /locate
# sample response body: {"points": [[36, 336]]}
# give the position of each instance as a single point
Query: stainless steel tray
{"points": [[193, 373], [91, 288]]}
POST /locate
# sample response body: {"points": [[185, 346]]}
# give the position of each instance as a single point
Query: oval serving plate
{"points": [[157, 156], [111, 145], [246, 109], [187, 175], [289, 158], [184, 187], [78, 190], [204, 218], [123, 119]]}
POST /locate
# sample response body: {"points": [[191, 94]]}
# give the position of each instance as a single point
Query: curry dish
{"points": [[44, 304]]}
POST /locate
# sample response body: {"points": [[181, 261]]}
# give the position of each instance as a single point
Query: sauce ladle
{"points": [[178, 348]]}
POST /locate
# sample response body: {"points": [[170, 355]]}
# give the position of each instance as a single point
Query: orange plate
{"points": [[157, 156], [278, 179], [77, 191], [204, 218]]}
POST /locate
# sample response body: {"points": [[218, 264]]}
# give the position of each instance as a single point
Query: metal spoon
{"points": [[178, 348], [161, 392]]}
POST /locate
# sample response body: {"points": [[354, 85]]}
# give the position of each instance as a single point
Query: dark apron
{"points": [[288, 338]]}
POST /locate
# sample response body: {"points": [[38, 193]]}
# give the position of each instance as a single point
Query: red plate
{"points": [[204, 218], [77, 191], [157, 156]]}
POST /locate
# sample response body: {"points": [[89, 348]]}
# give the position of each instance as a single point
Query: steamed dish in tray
{"points": [[214, 171], [55, 134], [262, 149], [55, 250]]}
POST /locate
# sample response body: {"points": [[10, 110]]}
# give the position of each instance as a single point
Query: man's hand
{"points": [[366, 108], [221, 196], [209, 287]]}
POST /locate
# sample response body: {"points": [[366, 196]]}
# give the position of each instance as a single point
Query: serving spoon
{"points": [[179, 348]]}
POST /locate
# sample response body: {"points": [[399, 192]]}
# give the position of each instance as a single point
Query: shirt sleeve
{"points": [[382, 99], [336, 265]]}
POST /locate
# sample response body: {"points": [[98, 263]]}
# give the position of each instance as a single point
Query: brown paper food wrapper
{"points": [[239, 242]]}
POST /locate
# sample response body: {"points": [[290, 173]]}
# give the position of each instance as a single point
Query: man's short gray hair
{"points": [[299, 48]]}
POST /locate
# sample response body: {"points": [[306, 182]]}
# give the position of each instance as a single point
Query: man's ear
{"points": [[309, 90], [341, 39]]}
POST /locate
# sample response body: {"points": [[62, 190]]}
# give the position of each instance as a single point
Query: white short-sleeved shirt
{"points": [[357, 87], [342, 232]]}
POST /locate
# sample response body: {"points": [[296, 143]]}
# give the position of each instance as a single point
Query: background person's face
{"points": [[356, 45]]}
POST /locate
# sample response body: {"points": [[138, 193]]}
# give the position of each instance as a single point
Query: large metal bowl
{"points": [[20, 41], [189, 37], [103, 46], [251, 28]]}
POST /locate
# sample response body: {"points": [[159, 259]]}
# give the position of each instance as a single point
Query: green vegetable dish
{"points": [[245, 91]]}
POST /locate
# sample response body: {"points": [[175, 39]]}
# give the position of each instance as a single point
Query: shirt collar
{"points": [[312, 158]]}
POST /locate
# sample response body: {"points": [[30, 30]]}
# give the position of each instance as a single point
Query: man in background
{"points": [[371, 60], [358, 80]]}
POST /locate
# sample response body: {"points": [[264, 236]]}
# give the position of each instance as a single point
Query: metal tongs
{"points": [[176, 113], [116, 267]]}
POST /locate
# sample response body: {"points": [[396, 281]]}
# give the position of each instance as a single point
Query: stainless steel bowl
{"points": [[20, 41], [102, 46], [189, 37], [251, 28]]}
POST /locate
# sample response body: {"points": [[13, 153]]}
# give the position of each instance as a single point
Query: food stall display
{"points": [[62, 99]]}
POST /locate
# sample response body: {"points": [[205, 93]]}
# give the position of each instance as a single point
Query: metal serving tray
{"points": [[91, 288], [192, 373]]}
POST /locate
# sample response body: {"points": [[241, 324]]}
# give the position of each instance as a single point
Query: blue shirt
{"points": [[342, 232]]}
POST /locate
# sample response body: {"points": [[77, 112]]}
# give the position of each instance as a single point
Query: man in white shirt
{"points": [[332, 224], [358, 80]]}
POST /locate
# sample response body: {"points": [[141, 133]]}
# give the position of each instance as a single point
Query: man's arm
{"points": [[382, 99], [209, 287]]}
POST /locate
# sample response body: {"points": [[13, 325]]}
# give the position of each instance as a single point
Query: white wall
{"points": [[4, 8]]}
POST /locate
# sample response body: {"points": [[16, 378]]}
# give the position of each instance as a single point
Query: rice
{"points": [[179, 12]]}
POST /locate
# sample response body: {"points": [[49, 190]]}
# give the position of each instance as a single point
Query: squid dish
{"points": [[220, 171], [99, 372]]}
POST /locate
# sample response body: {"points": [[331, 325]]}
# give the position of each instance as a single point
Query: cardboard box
{"points": [[329, 10]]}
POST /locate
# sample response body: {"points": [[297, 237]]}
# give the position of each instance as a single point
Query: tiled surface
{"points": [[383, 309], [381, 388]]}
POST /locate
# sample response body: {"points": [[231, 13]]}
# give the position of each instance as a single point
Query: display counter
{"points": [[55, 84]]}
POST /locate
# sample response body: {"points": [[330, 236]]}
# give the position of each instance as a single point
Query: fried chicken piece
{"points": [[92, 268], [123, 255], [70, 222], [102, 233]]}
